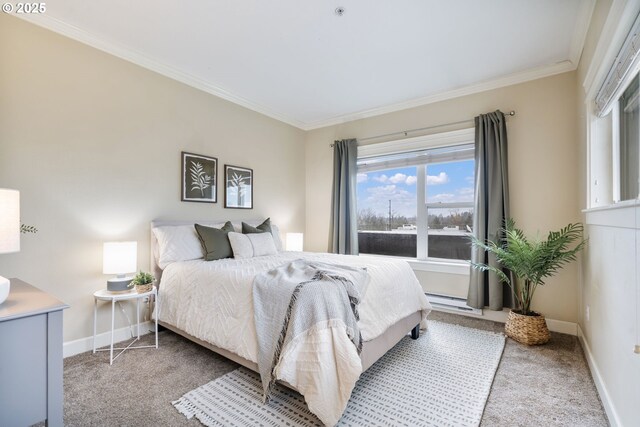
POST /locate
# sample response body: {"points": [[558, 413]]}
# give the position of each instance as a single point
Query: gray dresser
{"points": [[30, 357]]}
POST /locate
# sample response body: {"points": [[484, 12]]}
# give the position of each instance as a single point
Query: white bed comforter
{"points": [[213, 302]]}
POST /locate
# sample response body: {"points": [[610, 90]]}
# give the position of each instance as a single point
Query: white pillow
{"points": [[252, 245], [275, 231], [177, 243]]}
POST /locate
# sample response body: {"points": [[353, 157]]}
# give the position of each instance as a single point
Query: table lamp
{"points": [[9, 231], [119, 258], [294, 241]]}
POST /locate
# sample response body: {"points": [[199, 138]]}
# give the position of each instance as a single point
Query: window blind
{"points": [[624, 67], [415, 158]]}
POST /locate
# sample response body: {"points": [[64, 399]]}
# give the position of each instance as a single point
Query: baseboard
{"points": [[563, 327], [71, 348], [607, 404], [456, 310], [560, 326]]}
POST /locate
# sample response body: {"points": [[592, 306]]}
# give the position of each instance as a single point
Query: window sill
{"points": [[432, 265], [618, 215], [618, 205]]}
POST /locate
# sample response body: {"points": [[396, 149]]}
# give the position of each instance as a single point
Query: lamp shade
{"points": [[120, 257], [9, 221], [294, 241]]}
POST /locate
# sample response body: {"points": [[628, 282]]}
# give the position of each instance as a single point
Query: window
{"points": [[417, 203], [629, 134], [450, 209], [388, 211], [614, 134]]}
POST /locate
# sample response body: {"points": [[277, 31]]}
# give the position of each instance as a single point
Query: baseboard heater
{"points": [[446, 303]]}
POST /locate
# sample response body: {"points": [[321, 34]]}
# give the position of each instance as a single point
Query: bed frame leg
{"points": [[415, 332]]}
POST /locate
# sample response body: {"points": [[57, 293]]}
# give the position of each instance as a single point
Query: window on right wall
{"points": [[628, 108], [614, 125]]}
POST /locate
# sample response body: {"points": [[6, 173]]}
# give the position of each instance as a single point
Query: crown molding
{"points": [[508, 80], [138, 58]]}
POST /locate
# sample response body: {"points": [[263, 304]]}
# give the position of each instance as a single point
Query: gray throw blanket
{"points": [[292, 298]]}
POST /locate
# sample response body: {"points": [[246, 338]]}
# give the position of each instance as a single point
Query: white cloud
{"points": [[469, 179], [464, 194], [403, 202], [383, 191], [442, 197], [441, 178], [398, 178], [362, 177]]}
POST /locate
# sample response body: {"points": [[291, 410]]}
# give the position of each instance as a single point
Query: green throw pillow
{"points": [[262, 228], [215, 241]]}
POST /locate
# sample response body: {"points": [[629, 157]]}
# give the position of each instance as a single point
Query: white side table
{"points": [[104, 295]]}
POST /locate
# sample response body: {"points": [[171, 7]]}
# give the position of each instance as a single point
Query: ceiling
{"points": [[301, 63]]}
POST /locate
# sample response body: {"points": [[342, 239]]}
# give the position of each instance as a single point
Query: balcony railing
{"points": [[442, 243]]}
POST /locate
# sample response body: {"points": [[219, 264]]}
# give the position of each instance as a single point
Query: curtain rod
{"points": [[405, 132]]}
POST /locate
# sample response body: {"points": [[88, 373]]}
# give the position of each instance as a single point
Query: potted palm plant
{"points": [[531, 261], [143, 282]]}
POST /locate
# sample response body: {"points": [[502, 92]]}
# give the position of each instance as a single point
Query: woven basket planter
{"points": [[141, 289], [529, 330]]}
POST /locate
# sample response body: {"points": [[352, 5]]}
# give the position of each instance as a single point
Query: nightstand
{"points": [[104, 295]]}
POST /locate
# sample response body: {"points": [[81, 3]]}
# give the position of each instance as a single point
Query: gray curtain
{"points": [[344, 222], [491, 208]]}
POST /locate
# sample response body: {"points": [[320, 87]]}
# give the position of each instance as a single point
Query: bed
{"points": [[210, 303]]}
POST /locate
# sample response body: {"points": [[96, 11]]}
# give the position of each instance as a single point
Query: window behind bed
{"points": [[415, 197]]}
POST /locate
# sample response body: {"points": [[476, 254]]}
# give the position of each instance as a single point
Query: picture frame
{"points": [[238, 187], [199, 178]]}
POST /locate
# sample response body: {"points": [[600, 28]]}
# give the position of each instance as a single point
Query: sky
{"points": [[446, 182]]}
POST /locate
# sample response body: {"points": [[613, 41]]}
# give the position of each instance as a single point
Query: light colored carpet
{"points": [[547, 385], [441, 379]]}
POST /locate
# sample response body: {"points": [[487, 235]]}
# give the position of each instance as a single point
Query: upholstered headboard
{"points": [[155, 268]]}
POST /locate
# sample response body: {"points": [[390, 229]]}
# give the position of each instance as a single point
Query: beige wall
{"points": [[542, 159], [93, 144], [610, 270]]}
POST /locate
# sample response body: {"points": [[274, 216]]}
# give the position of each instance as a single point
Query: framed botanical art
{"points": [[238, 187], [199, 178]]}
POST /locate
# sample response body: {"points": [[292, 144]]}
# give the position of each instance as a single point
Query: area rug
{"points": [[441, 379]]}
